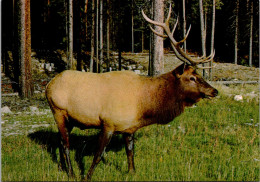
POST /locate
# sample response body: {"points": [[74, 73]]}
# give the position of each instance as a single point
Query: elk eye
{"points": [[193, 78]]}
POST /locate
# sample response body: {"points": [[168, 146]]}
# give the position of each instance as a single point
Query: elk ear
{"points": [[177, 72]]}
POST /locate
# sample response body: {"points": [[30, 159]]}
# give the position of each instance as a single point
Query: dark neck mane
{"points": [[161, 99]]}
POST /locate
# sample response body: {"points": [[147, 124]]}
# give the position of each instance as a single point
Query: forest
{"points": [[89, 32]]}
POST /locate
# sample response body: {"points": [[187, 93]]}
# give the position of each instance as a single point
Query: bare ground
{"points": [[221, 71]]}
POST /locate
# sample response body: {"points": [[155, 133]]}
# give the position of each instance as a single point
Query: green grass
{"points": [[217, 140]]}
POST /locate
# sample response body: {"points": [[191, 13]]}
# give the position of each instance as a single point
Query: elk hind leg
{"points": [[61, 119]]}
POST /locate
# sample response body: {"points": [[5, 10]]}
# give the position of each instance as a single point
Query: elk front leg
{"points": [[104, 139], [129, 147]]}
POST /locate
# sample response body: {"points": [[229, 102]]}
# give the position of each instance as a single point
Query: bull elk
{"points": [[123, 102]]}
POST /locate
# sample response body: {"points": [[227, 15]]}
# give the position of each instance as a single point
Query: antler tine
{"points": [[179, 55], [175, 25], [169, 14], [209, 58], [205, 60], [186, 36], [157, 33], [155, 23], [152, 21]]}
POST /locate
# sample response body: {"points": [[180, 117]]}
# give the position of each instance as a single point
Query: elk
{"points": [[123, 102]]}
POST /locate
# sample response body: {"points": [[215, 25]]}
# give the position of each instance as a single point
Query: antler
{"points": [[176, 45]]}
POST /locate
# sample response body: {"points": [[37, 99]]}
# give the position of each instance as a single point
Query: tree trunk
{"points": [[70, 34], [92, 37], [251, 35], [82, 38], [236, 32], [151, 39], [157, 65], [85, 36], [184, 23], [202, 28], [203, 33], [108, 34], [113, 38], [101, 35], [97, 18], [133, 41], [24, 38], [142, 37], [86, 18], [212, 35]]}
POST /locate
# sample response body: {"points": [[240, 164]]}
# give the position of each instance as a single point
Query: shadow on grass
{"points": [[83, 145]]}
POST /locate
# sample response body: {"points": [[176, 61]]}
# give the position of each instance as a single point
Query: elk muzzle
{"points": [[209, 92]]}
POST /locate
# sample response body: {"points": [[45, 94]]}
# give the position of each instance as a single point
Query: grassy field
{"points": [[215, 140]]}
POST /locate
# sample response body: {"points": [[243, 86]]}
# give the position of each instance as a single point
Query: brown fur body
{"points": [[122, 101]]}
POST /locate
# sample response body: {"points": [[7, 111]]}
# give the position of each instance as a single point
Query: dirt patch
{"points": [[227, 71], [20, 123]]}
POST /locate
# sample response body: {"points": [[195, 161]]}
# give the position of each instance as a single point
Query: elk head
{"points": [[192, 87]]}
